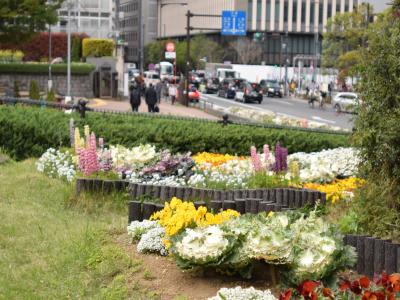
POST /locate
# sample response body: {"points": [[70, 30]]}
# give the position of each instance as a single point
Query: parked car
{"points": [[248, 93], [345, 102], [194, 94], [271, 88], [210, 86], [151, 77], [227, 89]]}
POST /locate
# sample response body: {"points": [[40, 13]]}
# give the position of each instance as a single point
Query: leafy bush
{"points": [[7, 56], [97, 47], [35, 68], [37, 48], [27, 131], [378, 127], [76, 48], [34, 92], [51, 95], [16, 89]]}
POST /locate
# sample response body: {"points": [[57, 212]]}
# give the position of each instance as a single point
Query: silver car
{"points": [[345, 102]]}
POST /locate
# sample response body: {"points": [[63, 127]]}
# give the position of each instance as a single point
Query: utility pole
{"points": [[141, 59], [286, 60], [68, 95], [188, 16]]}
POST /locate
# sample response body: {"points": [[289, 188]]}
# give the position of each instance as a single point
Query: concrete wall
{"points": [[81, 85]]}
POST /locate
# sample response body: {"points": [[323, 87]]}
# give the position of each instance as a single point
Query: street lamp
{"points": [[166, 4]]}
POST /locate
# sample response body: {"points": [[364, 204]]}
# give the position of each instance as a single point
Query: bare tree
{"points": [[248, 51]]}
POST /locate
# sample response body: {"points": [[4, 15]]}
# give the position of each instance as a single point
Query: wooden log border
{"points": [[374, 255]]}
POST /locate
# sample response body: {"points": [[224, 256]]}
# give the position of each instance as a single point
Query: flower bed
{"points": [[301, 247], [147, 165]]}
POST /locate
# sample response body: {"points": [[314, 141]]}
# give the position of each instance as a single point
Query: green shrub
{"points": [[16, 89], [8, 56], [76, 48], [51, 95], [38, 68], [34, 92], [378, 128], [97, 47], [27, 131]]}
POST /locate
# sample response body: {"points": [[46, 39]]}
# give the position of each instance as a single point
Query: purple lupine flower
{"points": [[255, 159], [281, 154]]}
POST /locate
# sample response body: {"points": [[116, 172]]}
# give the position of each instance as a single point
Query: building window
{"points": [[277, 10], [285, 14], [259, 11], [105, 15], [294, 11], [303, 12], [329, 10], [321, 13], [312, 13], [250, 12], [268, 12]]}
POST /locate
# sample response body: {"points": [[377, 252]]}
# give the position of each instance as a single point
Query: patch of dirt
{"points": [[169, 281]]}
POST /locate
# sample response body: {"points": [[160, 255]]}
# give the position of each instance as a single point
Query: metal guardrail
{"points": [[81, 108]]}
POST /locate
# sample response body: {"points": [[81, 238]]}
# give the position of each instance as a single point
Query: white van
{"points": [[151, 77], [227, 73]]}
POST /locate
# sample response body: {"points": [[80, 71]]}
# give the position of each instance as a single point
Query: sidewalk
{"points": [[166, 108]]}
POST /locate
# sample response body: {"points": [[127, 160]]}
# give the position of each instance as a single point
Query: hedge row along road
{"points": [[36, 68], [27, 131]]}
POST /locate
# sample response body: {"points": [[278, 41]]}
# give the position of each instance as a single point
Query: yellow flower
{"points": [[214, 159], [178, 215], [271, 214], [338, 189]]}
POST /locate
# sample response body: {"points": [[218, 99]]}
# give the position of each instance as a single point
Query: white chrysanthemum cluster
{"points": [[57, 164], [156, 179], [202, 244], [152, 242], [239, 293], [133, 159], [327, 164]]}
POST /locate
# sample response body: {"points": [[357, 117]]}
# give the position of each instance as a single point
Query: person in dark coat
{"points": [[151, 98], [135, 98]]}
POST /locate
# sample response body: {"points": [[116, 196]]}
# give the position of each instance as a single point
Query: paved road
{"points": [[290, 107]]}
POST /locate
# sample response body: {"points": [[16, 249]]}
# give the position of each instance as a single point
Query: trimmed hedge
{"points": [[97, 47], [27, 131], [32, 68]]}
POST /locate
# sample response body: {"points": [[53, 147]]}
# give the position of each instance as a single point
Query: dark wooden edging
{"points": [[374, 255], [100, 185], [244, 201]]}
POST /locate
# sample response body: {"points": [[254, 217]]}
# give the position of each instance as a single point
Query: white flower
{"points": [[137, 228], [57, 164], [152, 242], [238, 293]]}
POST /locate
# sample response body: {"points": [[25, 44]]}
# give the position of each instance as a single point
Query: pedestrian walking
{"points": [[135, 97], [172, 93], [159, 88], [151, 98]]}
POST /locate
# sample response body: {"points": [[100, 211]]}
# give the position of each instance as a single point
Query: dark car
{"points": [[247, 92], [211, 86], [227, 89], [271, 88]]}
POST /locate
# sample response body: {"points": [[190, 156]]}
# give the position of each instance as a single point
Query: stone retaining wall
{"points": [[81, 85]]}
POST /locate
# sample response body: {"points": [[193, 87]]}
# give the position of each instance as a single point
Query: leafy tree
{"points": [[346, 34], [34, 93], [200, 47], [19, 20], [378, 128]]}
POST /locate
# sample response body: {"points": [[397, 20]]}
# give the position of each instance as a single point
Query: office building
{"points": [[93, 17], [134, 18], [299, 24]]}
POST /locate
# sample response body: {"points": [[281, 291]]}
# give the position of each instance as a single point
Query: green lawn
{"points": [[53, 248]]}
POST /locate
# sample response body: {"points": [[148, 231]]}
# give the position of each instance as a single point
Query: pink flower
{"points": [[255, 158], [266, 153]]}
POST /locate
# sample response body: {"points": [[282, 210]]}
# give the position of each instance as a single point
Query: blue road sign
{"points": [[233, 22]]}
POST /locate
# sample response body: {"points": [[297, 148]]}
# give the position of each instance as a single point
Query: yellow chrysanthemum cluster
{"points": [[338, 189], [178, 215], [214, 159]]}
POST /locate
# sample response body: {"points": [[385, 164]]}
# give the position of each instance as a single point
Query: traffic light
{"points": [[258, 36]]}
